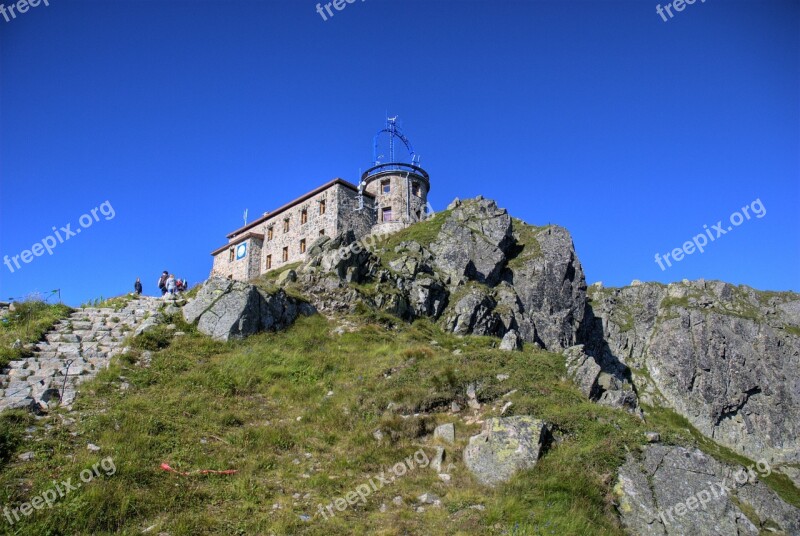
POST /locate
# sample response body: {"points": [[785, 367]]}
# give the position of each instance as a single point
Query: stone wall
{"points": [[407, 198], [340, 202], [350, 219], [239, 269]]}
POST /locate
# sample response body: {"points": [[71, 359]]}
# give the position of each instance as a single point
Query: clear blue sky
{"points": [[629, 131]]}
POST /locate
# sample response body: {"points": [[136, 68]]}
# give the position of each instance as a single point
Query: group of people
{"points": [[167, 283]]}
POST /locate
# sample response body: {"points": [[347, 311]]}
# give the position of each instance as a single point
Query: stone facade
{"points": [[403, 192], [283, 236]]}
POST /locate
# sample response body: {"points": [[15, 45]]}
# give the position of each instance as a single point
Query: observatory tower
{"points": [[400, 189]]}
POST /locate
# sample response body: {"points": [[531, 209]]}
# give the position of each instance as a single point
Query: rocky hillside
{"points": [[464, 361], [727, 358]]}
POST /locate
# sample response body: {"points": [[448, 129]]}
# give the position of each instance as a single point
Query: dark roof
{"points": [[300, 199], [239, 240]]}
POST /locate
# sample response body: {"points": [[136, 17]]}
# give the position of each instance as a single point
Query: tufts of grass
{"points": [[117, 303], [527, 244], [28, 323], [294, 413]]}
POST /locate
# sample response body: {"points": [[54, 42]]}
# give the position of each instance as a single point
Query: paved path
{"points": [[75, 350]]}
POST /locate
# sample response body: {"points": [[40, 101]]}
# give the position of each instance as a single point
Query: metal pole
{"points": [[64, 386]]}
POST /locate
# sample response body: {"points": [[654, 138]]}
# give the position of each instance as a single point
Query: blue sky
{"points": [[631, 132]]}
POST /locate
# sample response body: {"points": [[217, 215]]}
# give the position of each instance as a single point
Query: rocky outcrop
{"points": [[550, 284], [227, 309], [727, 358], [473, 243], [598, 385], [479, 272], [505, 446], [677, 491]]}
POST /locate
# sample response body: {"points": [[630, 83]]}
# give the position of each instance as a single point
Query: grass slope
{"points": [[262, 407], [28, 323]]}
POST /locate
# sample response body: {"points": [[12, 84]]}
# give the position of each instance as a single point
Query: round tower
{"points": [[400, 189]]}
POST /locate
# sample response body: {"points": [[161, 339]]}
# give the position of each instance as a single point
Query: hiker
{"points": [[162, 282], [171, 284], [179, 285], [138, 287]]}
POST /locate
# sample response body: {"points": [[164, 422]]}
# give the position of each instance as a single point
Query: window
{"points": [[386, 186], [303, 245], [304, 216], [286, 254], [231, 255], [415, 189], [269, 262], [322, 207], [286, 225], [322, 232], [269, 232], [386, 214]]}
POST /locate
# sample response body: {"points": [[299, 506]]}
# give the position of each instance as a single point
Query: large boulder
{"points": [[505, 446], [676, 491], [597, 384], [472, 243], [727, 358], [549, 280], [473, 312], [227, 309]]}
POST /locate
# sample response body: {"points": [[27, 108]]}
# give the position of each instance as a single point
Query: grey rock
{"points": [[446, 432], [437, 462], [225, 309], [511, 341], [505, 446], [429, 498], [717, 354], [678, 491], [583, 370], [551, 287], [287, 276], [473, 313], [26, 456], [473, 242]]}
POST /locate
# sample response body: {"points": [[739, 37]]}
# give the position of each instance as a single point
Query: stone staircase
{"points": [[75, 350]]}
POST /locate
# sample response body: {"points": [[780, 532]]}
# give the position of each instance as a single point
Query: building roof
{"points": [[239, 240], [289, 205]]}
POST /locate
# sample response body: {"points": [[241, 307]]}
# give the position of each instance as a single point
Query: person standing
{"points": [[171, 284], [138, 287], [162, 282]]}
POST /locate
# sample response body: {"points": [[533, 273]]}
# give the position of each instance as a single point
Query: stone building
{"points": [[390, 197]]}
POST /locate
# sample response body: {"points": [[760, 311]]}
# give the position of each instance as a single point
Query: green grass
{"points": [[28, 323], [117, 303], [261, 407], [794, 330], [424, 233], [527, 243], [210, 405]]}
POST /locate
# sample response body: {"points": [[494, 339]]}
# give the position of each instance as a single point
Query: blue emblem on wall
{"points": [[241, 251]]}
